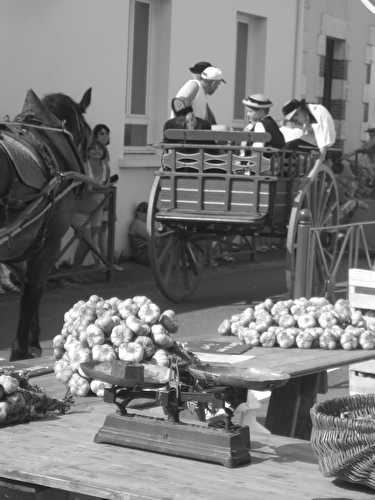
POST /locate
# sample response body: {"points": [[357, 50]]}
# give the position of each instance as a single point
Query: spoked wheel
{"points": [[319, 195], [177, 254]]}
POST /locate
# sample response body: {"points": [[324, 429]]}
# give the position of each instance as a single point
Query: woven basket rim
{"points": [[321, 418], [368, 399]]}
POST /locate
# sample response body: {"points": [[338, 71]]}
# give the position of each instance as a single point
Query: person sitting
{"points": [[257, 110], [316, 123], [184, 118], [138, 236], [367, 149]]}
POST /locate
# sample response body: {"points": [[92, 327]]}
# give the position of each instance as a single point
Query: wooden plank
{"points": [[299, 362], [362, 378], [362, 288], [60, 453], [207, 136], [290, 405]]}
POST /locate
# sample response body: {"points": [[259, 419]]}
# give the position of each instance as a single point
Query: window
{"points": [[138, 73], [241, 68], [365, 112], [333, 67], [147, 72], [250, 61], [368, 73], [369, 87]]}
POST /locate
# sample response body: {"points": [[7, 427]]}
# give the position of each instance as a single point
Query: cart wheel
{"points": [[318, 194], [177, 254]]}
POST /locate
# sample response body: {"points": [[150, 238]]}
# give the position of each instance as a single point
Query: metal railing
{"points": [[325, 254], [106, 258]]}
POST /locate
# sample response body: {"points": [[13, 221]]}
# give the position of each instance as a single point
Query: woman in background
{"points": [[96, 168], [102, 134]]}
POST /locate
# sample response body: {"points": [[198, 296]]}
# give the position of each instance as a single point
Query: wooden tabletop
{"points": [[299, 362], [60, 453]]}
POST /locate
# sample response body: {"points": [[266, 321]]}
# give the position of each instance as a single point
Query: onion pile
{"points": [[133, 330], [303, 323]]}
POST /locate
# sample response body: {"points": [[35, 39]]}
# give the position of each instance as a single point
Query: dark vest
{"points": [[277, 139]]}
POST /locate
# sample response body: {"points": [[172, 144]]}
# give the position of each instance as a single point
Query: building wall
{"points": [[211, 34], [70, 45], [352, 22]]}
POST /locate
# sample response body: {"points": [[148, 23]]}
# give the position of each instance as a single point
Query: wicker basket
{"points": [[343, 438]]}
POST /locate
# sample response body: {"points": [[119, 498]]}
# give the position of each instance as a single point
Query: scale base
{"points": [[229, 448]]}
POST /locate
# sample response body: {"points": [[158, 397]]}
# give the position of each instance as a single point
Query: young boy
{"points": [[138, 238], [257, 110]]}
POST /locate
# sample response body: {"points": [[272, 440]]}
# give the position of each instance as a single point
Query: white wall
{"points": [[67, 46], [206, 30], [349, 20], [70, 45]]}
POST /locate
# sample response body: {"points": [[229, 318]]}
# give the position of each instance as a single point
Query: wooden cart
{"points": [[211, 185]]}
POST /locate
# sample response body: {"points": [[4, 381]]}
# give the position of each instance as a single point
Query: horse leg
{"points": [[38, 268], [34, 346]]}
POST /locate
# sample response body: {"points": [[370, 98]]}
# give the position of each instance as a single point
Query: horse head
{"points": [[72, 113]]}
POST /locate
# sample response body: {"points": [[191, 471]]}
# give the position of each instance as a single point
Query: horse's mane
{"points": [[60, 104]]}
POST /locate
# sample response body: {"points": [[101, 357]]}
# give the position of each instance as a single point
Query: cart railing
{"points": [[214, 175], [350, 246]]}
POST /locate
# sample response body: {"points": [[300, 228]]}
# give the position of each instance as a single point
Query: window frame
{"points": [[256, 56], [241, 19], [133, 118]]}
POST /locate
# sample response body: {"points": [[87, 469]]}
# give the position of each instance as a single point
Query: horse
{"points": [[41, 176]]}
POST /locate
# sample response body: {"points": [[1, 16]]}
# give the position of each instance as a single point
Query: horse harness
{"points": [[37, 181]]}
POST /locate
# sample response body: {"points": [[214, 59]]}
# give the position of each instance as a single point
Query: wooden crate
{"points": [[361, 288], [362, 295], [362, 378]]}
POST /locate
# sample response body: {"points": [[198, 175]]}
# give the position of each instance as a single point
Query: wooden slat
{"points": [[207, 136], [217, 216], [362, 288], [60, 453]]}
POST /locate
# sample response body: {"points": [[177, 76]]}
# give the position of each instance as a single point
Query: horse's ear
{"points": [[33, 106], [86, 100]]}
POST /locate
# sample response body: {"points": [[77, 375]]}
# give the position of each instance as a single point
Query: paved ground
{"points": [[224, 291]]}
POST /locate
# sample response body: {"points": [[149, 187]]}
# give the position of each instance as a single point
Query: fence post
{"points": [[111, 231], [302, 274]]}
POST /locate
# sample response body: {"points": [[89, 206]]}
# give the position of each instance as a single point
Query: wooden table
{"points": [[288, 411], [289, 407], [59, 453]]}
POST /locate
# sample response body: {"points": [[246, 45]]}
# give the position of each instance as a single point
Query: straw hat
{"points": [[257, 101]]}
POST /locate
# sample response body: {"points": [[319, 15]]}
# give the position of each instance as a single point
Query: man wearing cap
{"points": [[315, 121], [196, 90], [257, 110]]}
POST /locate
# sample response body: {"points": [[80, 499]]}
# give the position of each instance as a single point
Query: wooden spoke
{"points": [[176, 259], [318, 194]]}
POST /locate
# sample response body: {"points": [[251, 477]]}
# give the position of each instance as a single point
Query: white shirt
{"points": [[324, 128], [291, 133], [199, 103], [255, 127]]}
